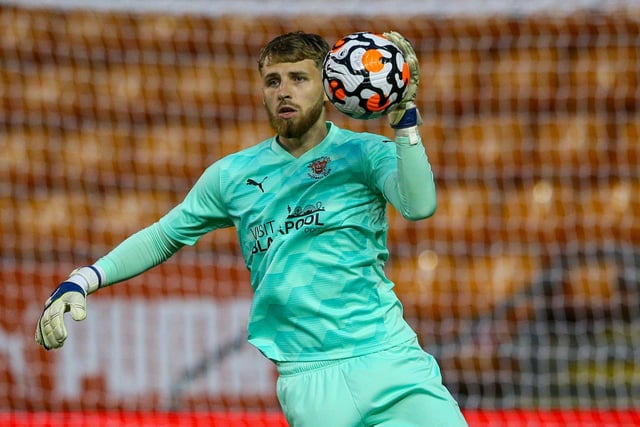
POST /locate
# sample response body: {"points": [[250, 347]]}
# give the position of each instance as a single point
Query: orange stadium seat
{"points": [[154, 154], [233, 136], [439, 286], [540, 212], [86, 28], [187, 88], [606, 68], [228, 82], [125, 212], [530, 71], [41, 88], [627, 147], [16, 27], [171, 150], [109, 88], [608, 210], [449, 74], [91, 155], [572, 141], [23, 155], [463, 216], [47, 223], [83, 27], [491, 144]]}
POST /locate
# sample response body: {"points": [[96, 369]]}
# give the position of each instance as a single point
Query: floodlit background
{"points": [[525, 284]]}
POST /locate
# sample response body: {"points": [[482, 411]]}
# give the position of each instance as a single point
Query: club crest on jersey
{"points": [[319, 168]]}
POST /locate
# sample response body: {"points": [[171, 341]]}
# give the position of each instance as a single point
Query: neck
{"points": [[300, 145]]}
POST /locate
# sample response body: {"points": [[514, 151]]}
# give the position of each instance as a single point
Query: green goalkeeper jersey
{"points": [[313, 235]]}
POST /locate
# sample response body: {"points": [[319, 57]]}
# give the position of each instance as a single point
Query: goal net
{"points": [[525, 284]]}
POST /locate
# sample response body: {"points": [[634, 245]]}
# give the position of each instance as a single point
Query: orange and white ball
{"points": [[365, 75]]}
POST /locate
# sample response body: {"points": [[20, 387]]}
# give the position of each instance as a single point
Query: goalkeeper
{"points": [[309, 208]]}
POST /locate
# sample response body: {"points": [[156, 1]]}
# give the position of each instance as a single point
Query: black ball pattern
{"points": [[365, 75]]}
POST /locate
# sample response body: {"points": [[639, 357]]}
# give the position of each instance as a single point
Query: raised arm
{"points": [[412, 190]]}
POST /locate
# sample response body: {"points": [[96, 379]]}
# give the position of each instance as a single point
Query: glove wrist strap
{"points": [[409, 119], [88, 278]]}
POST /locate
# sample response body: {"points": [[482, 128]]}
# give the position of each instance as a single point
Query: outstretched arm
{"points": [[135, 255]]}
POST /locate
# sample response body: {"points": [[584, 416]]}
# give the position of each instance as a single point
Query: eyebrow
{"points": [[290, 74]]}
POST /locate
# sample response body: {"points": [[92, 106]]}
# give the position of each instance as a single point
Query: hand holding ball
{"points": [[365, 75]]}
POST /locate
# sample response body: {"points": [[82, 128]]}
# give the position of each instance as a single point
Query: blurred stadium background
{"points": [[525, 284]]}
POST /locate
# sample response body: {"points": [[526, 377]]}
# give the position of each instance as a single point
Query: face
{"points": [[293, 96]]}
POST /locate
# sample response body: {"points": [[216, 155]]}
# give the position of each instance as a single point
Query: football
{"points": [[365, 75]]}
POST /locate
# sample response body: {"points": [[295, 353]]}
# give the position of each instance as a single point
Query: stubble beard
{"points": [[297, 127]]}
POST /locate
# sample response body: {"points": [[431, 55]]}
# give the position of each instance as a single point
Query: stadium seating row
{"points": [[108, 64], [530, 79], [536, 213], [495, 147]]}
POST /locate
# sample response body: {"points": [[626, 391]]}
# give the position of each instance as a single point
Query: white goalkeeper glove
{"points": [[69, 296], [405, 114]]}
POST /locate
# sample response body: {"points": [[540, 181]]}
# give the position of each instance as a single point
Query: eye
{"points": [[272, 83]]}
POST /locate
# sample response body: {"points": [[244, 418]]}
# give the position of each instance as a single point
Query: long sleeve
{"points": [[411, 190], [136, 254]]}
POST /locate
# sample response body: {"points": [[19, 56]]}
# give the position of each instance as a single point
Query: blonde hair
{"points": [[294, 47]]}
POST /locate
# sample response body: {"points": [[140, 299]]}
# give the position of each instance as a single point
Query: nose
{"points": [[283, 91]]}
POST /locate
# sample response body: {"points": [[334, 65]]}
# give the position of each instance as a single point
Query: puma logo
{"points": [[256, 183]]}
